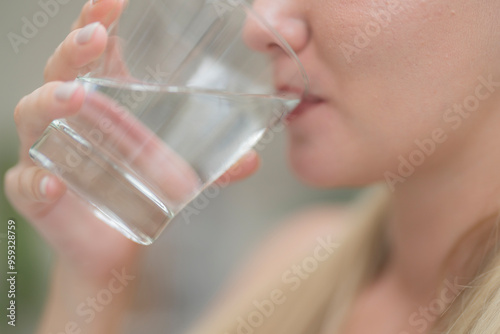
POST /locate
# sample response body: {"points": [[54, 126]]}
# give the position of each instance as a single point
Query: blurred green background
{"points": [[185, 268]]}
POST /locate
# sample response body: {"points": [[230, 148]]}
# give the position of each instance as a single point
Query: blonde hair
{"points": [[476, 311], [323, 301]]}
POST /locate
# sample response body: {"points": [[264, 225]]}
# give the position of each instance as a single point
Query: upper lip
{"points": [[310, 98], [307, 98]]}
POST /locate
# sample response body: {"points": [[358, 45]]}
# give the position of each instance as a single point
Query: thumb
{"points": [[32, 184]]}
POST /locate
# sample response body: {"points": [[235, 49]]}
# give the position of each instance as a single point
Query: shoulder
{"points": [[301, 232], [296, 238], [333, 219]]}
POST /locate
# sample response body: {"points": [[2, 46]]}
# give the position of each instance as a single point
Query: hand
{"points": [[82, 242]]}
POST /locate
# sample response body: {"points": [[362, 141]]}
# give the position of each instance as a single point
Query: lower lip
{"points": [[302, 108]]}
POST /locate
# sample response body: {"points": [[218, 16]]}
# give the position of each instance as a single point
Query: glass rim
{"points": [[178, 89], [279, 39]]}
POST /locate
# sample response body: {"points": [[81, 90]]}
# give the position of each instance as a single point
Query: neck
{"points": [[443, 216]]}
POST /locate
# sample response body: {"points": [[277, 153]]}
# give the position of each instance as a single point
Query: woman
{"points": [[405, 92]]}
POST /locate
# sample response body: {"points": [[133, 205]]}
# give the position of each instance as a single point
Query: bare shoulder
{"points": [[296, 238], [300, 231], [313, 221]]}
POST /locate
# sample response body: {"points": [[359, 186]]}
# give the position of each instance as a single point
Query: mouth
{"points": [[308, 102]]}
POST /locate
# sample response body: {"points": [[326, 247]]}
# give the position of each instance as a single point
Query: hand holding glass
{"points": [[176, 99]]}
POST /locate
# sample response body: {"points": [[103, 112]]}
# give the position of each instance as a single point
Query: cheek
{"points": [[393, 91], [387, 51]]}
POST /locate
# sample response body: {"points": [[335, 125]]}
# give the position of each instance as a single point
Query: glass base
{"points": [[115, 194]]}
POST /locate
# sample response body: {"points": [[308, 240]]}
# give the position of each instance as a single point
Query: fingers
{"points": [[35, 111], [30, 185], [245, 167], [76, 52], [104, 11], [86, 42]]}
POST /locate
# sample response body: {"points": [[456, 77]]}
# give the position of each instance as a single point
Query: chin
{"points": [[307, 174], [323, 152], [328, 169]]}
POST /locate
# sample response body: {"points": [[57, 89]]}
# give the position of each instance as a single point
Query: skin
{"points": [[374, 104], [366, 110]]}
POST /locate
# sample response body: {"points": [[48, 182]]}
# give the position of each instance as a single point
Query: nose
{"points": [[284, 16]]}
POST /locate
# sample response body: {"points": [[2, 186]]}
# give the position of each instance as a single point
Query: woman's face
{"points": [[389, 79]]}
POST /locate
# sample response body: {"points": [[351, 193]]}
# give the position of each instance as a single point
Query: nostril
{"points": [[257, 36]]}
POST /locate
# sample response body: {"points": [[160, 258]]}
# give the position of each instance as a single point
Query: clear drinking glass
{"points": [[179, 95]]}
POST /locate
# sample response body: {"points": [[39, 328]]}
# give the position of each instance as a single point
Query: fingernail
{"points": [[85, 34], [94, 1], [251, 155], [66, 90], [248, 157], [43, 185]]}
